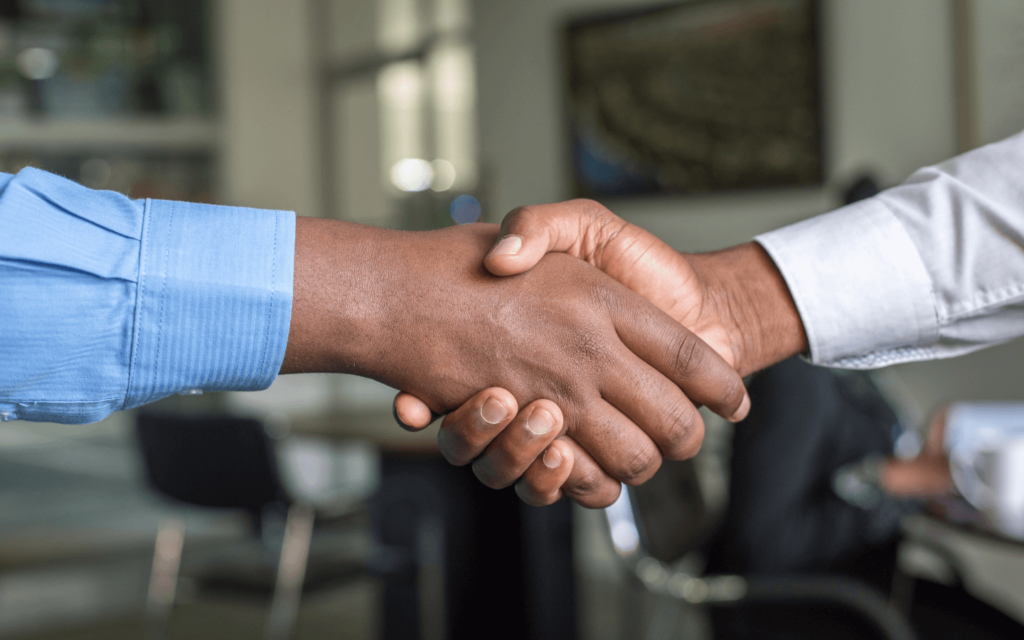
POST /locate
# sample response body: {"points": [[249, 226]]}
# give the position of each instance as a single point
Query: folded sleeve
{"points": [[859, 285], [110, 303], [933, 268]]}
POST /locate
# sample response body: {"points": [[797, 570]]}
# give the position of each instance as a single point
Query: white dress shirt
{"points": [[933, 268]]}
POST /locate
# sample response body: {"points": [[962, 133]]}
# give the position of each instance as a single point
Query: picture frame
{"points": [[695, 97]]}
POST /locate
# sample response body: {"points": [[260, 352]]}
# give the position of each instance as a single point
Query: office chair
{"points": [[658, 529], [636, 532], [226, 463]]}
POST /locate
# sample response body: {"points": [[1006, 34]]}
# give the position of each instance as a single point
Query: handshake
{"points": [[569, 349]]}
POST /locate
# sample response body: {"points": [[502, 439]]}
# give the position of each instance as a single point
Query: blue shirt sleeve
{"points": [[108, 303]]}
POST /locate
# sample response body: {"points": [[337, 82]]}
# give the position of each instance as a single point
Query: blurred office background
{"points": [[418, 114]]}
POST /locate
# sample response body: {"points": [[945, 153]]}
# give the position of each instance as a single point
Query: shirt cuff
{"points": [[860, 286], [214, 299]]}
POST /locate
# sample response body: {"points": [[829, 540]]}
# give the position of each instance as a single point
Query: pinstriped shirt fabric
{"points": [[108, 303], [932, 268]]}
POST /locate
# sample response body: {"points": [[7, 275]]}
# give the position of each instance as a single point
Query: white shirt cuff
{"points": [[859, 285]]}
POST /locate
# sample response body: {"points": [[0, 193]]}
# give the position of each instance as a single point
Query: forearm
{"points": [[745, 289]]}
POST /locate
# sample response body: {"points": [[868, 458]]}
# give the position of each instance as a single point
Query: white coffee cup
{"points": [[985, 443]]}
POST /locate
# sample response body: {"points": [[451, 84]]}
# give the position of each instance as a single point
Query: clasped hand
{"points": [[565, 350], [595, 453]]}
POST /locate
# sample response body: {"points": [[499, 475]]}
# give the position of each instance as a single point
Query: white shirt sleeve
{"points": [[933, 268]]}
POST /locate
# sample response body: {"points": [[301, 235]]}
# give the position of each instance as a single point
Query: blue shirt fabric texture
{"points": [[108, 303]]}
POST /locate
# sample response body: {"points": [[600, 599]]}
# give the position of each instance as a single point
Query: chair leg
{"points": [[430, 578], [163, 580], [291, 572]]}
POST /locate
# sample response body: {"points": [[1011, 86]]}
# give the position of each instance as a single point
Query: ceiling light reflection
{"points": [[444, 175], [412, 174]]}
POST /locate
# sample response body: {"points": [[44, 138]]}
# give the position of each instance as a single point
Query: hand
{"points": [[735, 300], [419, 312], [926, 475]]}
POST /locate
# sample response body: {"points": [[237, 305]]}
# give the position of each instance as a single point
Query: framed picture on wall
{"points": [[695, 97]]}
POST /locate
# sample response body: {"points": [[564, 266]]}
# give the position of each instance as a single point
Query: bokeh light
{"points": [[465, 209], [412, 174], [444, 175], [95, 173], [37, 63]]}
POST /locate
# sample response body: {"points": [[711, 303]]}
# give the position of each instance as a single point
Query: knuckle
{"points": [[685, 435], [589, 204], [599, 291], [519, 218], [689, 356], [485, 473], [456, 448], [583, 484], [588, 344], [602, 499], [605, 501], [528, 495], [515, 460], [640, 465], [592, 208], [565, 391], [456, 459], [599, 227], [732, 392], [533, 493]]}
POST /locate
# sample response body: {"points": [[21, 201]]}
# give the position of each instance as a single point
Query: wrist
{"points": [[337, 297], [747, 292]]}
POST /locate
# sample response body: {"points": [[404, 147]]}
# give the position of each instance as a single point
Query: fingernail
{"points": [[742, 412], [540, 422], [552, 458], [509, 246], [398, 418], [493, 411]]}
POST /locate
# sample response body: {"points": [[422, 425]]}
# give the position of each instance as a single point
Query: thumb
{"points": [[411, 413], [523, 241], [527, 233]]}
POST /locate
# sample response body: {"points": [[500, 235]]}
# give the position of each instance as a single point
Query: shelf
{"points": [[121, 134]]}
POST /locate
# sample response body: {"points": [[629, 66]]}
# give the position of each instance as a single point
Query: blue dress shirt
{"points": [[108, 303]]}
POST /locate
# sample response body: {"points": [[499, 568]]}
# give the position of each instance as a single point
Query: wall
{"points": [[888, 94], [267, 105], [888, 106]]}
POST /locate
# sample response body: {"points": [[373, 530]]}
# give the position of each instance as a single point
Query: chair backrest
{"points": [[211, 461]]}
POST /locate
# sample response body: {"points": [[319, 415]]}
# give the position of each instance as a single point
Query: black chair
{"points": [[633, 530], [663, 529], [226, 463]]}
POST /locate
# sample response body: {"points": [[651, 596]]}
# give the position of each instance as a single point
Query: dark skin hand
{"points": [[735, 300], [588, 359]]}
